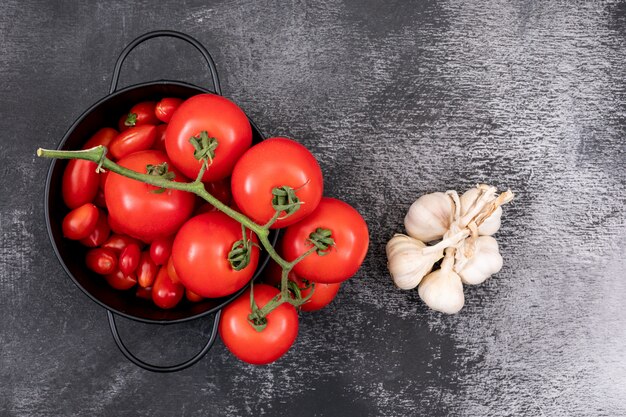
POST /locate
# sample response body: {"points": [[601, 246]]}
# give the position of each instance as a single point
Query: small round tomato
{"points": [[221, 119], [339, 262], [137, 209], [161, 249], [80, 222], [101, 261], [80, 183], [133, 140], [121, 281], [118, 242], [165, 293], [200, 255], [141, 114], [192, 296], [159, 141], [146, 270], [166, 107], [273, 163], [258, 347], [102, 137], [129, 258], [100, 233]]}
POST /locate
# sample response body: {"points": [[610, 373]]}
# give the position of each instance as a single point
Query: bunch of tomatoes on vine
{"points": [[176, 204]]}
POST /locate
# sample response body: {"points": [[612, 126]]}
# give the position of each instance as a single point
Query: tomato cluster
{"points": [[166, 244]]}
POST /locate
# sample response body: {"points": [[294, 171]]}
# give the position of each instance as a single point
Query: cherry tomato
{"points": [[101, 261], [161, 249], [137, 209], [141, 114], [200, 255], [121, 123], [102, 137], [166, 107], [192, 296], [276, 162], [159, 141], [146, 270], [341, 261], [145, 293], [252, 346], [121, 281], [80, 222], [221, 119], [171, 271], [118, 242], [100, 233], [133, 140], [165, 293], [80, 183], [129, 258]]}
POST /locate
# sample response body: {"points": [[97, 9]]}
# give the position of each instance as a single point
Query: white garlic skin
{"points": [[442, 290], [429, 217], [406, 262], [485, 261], [492, 224]]}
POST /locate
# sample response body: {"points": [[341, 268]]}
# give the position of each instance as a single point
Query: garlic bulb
{"points": [[429, 217], [442, 290], [485, 260], [406, 262], [468, 201]]}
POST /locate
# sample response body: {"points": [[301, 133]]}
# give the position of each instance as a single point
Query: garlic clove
{"points": [[406, 262], [429, 217], [484, 262], [442, 290], [468, 200]]}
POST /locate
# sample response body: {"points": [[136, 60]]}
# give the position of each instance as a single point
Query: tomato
{"points": [[120, 281], [276, 162], [192, 296], [165, 293], [121, 123], [103, 179], [102, 137], [129, 258], [80, 183], [135, 207], [161, 249], [146, 270], [200, 255], [101, 261], [218, 189], [100, 200], [80, 222], [221, 119], [135, 139], [145, 293], [100, 233], [341, 261], [141, 114], [118, 242], [272, 274], [171, 271], [159, 141], [252, 346], [166, 107]]}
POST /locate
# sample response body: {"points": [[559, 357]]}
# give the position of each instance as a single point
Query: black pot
{"points": [[71, 254]]}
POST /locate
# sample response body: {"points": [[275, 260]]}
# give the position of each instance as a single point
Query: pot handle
{"points": [[168, 34], [162, 368]]}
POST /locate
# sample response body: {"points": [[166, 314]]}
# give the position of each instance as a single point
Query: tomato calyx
{"points": [[284, 199], [322, 240], [131, 120], [160, 170], [204, 148], [241, 252]]}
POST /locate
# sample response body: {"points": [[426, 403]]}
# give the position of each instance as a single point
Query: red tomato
{"points": [[80, 183], [274, 163], [200, 255], [145, 293], [141, 114], [273, 272], [102, 137], [205, 208], [120, 281], [103, 179], [133, 140], [341, 261], [101, 261], [323, 294], [161, 249], [129, 258], [159, 141], [218, 189], [146, 270], [121, 123], [137, 209], [118, 242], [166, 107], [100, 200], [100, 234], [252, 346], [165, 293], [192, 296], [80, 222], [171, 271], [221, 119]]}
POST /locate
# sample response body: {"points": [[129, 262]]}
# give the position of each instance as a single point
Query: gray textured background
{"points": [[395, 99]]}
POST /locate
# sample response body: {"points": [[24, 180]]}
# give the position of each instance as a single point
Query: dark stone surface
{"points": [[396, 99]]}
